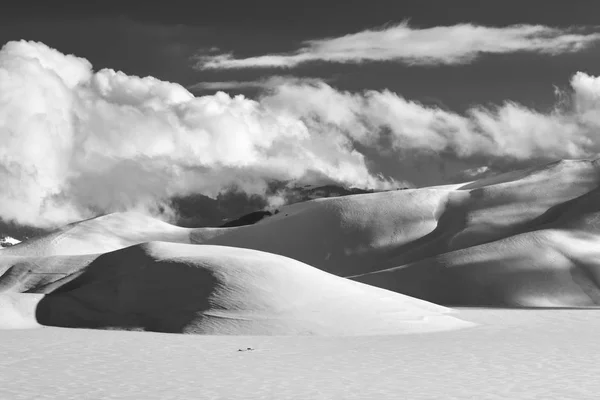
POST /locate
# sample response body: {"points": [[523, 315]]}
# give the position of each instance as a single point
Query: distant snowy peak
{"points": [[7, 241]]}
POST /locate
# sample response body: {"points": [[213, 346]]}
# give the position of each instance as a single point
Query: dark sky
{"points": [[159, 39]]}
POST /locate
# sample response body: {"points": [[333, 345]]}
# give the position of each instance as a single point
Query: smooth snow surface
{"points": [[343, 235], [182, 288], [513, 354]]}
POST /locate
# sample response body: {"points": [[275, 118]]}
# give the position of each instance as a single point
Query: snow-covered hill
{"points": [[526, 238]]}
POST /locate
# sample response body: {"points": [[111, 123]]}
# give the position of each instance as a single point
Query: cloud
{"points": [[229, 85], [475, 173], [441, 45], [266, 83], [386, 120], [75, 142]]}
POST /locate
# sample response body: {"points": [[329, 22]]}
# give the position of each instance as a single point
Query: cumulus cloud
{"points": [[456, 44], [508, 131], [75, 142]]}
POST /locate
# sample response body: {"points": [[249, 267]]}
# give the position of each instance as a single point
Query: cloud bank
{"points": [[457, 44], [75, 143]]}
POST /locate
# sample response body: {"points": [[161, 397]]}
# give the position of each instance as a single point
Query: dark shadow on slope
{"points": [[505, 283], [571, 212], [132, 290], [14, 276], [248, 219], [453, 222]]}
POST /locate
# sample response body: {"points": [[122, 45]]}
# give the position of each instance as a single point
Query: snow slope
{"points": [[526, 238], [370, 232], [18, 310], [344, 235], [553, 262], [169, 287], [98, 235], [549, 268]]}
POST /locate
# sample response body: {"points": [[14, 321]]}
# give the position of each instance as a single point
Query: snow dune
{"points": [[370, 232], [527, 238], [553, 260], [343, 235], [182, 288]]}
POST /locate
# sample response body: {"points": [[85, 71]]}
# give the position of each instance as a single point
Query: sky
{"points": [[158, 40], [134, 105]]}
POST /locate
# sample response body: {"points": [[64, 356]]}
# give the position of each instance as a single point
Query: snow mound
{"points": [[179, 288]]}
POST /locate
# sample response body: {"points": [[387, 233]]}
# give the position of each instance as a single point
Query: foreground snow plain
{"points": [[511, 354]]}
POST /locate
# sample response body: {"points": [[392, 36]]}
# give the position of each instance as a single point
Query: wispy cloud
{"points": [[457, 44], [266, 83], [228, 85]]}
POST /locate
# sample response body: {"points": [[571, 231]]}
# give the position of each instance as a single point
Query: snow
{"points": [[343, 235], [513, 354], [99, 235], [17, 311], [183, 288], [8, 241], [275, 315]]}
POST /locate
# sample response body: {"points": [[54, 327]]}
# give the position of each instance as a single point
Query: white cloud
{"points": [[75, 143], [266, 83], [229, 85], [457, 44], [509, 131], [475, 173]]}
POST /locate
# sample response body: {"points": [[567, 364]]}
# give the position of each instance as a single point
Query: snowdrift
{"points": [[179, 288]]}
